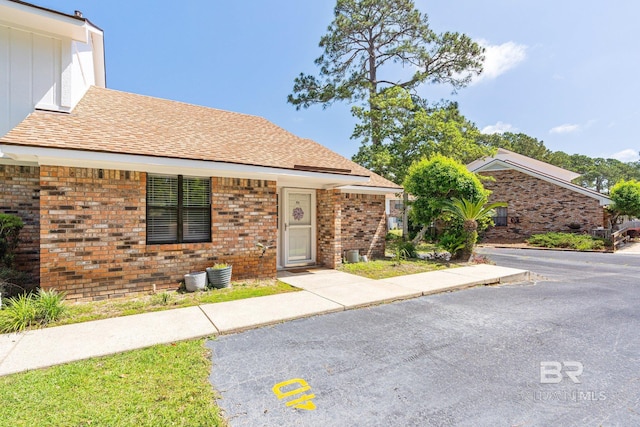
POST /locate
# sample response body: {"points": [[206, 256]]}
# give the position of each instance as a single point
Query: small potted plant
{"points": [[196, 281], [219, 275]]}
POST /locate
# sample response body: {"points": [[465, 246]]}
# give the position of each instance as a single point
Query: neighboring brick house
{"points": [[541, 198], [121, 192], [394, 208]]}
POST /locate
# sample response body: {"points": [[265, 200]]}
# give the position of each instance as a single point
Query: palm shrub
{"points": [[470, 212], [452, 242]]}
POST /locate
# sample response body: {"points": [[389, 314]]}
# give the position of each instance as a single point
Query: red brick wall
{"points": [[244, 212], [20, 195], [328, 221], [539, 206], [363, 224], [93, 235]]}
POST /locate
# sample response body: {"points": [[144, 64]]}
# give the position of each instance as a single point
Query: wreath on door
{"points": [[298, 214]]}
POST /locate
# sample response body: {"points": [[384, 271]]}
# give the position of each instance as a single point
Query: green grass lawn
{"points": [[83, 312], [164, 385], [383, 269]]}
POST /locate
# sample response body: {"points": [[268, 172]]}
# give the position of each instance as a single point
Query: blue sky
{"points": [[565, 72]]}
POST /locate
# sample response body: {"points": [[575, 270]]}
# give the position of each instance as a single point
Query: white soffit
{"points": [[361, 189], [36, 19], [173, 166]]}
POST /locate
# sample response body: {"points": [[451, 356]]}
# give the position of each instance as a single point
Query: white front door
{"points": [[299, 226]]}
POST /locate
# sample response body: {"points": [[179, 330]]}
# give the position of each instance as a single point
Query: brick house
{"points": [[121, 192], [394, 207], [541, 198]]}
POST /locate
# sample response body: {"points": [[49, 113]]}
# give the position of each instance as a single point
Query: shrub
{"points": [[163, 298], [10, 226], [49, 305], [29, 310], [14, 282], [18, 314], [452, 242], [435, 180], [580, 242], [393, 235], [220, 266], [409, 249]]}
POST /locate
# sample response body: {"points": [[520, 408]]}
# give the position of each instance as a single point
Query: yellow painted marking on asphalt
{"points": [[302, 402]]}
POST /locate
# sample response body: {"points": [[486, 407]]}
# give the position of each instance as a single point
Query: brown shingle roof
{"points": [[106, 120]]}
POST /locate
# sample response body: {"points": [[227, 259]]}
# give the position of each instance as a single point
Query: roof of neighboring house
{"points": [[506, 159], [110, 121], [528, 162]]}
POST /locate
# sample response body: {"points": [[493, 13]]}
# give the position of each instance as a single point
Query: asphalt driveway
{"points": [[507, 355]]}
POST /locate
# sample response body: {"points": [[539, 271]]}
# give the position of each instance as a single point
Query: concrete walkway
{"points": [[324, 291], [632, 248]]}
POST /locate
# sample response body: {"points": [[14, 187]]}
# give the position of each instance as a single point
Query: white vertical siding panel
{"points": [[43, 72], [21, 75], [83, 74], [5, 82], [66, 76], [57, 47]]}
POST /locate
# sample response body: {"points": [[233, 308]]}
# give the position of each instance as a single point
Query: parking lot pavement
{"points": [[499, 355]]}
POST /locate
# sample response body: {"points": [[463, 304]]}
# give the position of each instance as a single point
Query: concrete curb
{"points": [[47, 347]]}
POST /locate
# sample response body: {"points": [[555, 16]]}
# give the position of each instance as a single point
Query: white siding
{"points": [[5, 86], [20, 75], [46, 72], [83, 75], [40, 71]]}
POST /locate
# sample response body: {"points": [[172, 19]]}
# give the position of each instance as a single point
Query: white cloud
{"points": [[628, 155], [499, 127], [565, 128], [498, 59]]}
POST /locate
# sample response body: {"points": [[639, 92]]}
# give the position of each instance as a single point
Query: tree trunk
{"points": [[373, 91], [416, 240], [405, 216]]}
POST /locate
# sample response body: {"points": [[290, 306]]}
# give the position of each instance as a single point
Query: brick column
{"points": [[329, 223]]}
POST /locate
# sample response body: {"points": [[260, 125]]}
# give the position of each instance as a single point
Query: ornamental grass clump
{"points": [[31, 310]]}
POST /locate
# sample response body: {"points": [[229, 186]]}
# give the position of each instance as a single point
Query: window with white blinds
{"points": [[178, 209]]}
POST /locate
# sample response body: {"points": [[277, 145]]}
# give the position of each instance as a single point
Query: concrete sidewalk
{"points": [[324, 291]]}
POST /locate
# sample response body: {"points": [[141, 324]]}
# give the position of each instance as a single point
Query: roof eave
{"points": [[28, 16], [40, 156], [370, 189]]}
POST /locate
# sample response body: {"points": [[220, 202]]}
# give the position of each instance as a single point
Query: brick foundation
{"points": [[536, 206], [20, 192]]}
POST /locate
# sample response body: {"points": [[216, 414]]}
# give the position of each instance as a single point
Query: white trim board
{"points": [[174, 166]]}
